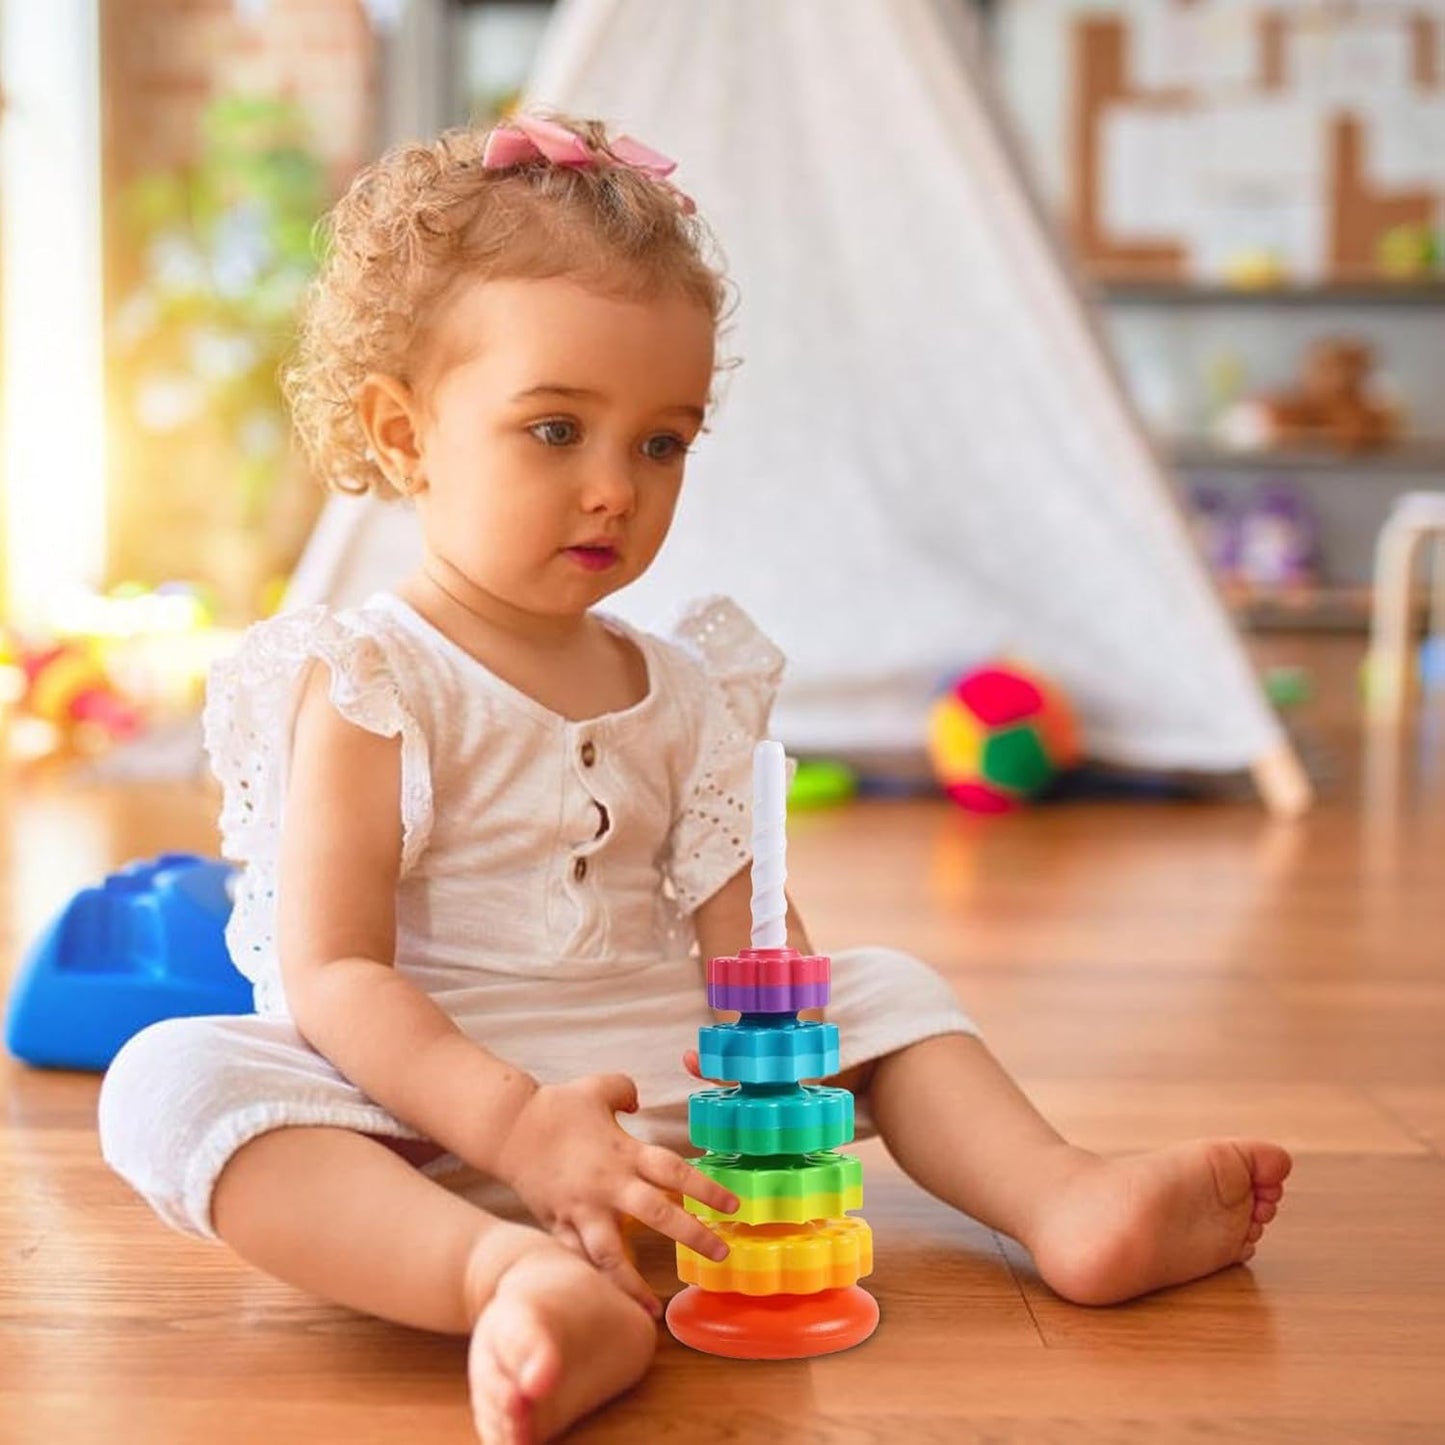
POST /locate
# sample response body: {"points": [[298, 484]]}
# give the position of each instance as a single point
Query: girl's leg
{"points": [[1100, 1230], [345, 1217]]}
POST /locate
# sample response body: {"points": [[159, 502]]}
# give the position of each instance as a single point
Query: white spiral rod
{"points": [[770, 846]]}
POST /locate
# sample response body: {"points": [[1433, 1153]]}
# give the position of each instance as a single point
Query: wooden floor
{"points": [[1150, 972]]}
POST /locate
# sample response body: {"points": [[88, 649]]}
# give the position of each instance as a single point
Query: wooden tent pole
{"points": [[1283, 784]]}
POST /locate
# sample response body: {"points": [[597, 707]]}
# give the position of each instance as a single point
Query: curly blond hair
{"points": [[427, 218]]}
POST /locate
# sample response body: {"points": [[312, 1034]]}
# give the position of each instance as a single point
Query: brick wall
{"points": [[162, 62], [164, 59]]}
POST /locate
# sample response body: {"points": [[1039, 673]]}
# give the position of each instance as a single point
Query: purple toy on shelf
{"points": [[1278, 540]]}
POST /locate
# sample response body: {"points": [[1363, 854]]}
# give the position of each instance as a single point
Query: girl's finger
{"points": [[671, 1172], [693, 1065], [656, 1210], [603, 1242]]}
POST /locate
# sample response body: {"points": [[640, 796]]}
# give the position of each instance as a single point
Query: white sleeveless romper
{"points": [[549, 871]]}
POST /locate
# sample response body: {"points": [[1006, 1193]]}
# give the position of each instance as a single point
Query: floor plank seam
{"points": [[998, 1244], [1423, 1138]]}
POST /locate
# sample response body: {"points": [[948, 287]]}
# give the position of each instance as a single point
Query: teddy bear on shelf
{"points": [[1332, 405]]}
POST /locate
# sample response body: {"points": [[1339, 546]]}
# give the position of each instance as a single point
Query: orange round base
{"points": [[772, 1327]]}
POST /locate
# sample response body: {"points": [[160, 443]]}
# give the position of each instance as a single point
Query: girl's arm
{"points": [[340, 860], [560, 1147]]}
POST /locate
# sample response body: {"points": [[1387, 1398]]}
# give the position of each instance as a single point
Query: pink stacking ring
{"points": [[769, 980]]}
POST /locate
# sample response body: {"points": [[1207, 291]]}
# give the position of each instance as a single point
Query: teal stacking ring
{"points": [[782, 1121]]}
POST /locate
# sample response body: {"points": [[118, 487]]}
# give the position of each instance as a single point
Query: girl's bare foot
{"points": [[555, 1340], [1111, 1229]]}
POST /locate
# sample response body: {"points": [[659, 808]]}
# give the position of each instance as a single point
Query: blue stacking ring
{"points": [[752, 1053]]}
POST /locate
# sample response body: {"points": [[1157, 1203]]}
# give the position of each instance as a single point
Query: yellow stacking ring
{"points": [[767, 1259]]}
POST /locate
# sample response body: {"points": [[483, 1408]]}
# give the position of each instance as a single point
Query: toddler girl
{"points": [[490, 831]]}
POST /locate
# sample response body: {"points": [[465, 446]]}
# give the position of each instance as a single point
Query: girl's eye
{"points": [[664, 447], [556, 433]]}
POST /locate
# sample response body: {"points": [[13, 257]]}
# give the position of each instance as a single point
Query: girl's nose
{"points": [[610, 489]]}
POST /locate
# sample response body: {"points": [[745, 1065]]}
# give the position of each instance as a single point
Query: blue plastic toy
{"points": [[148, 944]]}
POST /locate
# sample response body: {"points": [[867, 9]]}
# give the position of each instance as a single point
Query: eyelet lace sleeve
{"points": [[737, 682], [250, 708]]}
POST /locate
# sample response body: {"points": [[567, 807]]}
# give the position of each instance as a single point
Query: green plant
{"points": [[224, 253]]}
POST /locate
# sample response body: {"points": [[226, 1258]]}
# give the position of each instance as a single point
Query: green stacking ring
{"points": [[785, 1190]]}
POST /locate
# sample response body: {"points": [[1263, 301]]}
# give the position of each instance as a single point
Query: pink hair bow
{"points": [[524, 138]]}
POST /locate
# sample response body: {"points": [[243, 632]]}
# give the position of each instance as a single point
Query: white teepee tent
{"points": [[925, 457]]}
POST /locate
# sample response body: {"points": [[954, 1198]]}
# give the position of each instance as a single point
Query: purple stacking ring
{"points": [[768, 981]]}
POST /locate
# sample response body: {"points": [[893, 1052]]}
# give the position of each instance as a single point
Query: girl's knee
{"points": [[167, 1115], [147, 1085]]}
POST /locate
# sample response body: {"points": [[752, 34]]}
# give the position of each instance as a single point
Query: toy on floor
{"points": [[68, 687], [148, 944], [789, 1286], [111, 667], [821, 783], [999, 736], [1287, 685]]}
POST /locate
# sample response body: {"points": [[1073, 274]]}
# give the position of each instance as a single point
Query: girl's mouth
{"points": [[593, 559]]}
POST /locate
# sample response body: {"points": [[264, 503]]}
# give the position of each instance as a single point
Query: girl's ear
{"points": [[391, 417]]}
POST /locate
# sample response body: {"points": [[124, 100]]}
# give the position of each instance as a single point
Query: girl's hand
{"points": [[577, 1169]]}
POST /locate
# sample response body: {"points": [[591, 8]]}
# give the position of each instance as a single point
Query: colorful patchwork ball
{"points": [[998, 736]]}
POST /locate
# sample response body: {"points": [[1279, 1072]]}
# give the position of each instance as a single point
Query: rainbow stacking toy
{"points": [[789, 1285]]}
